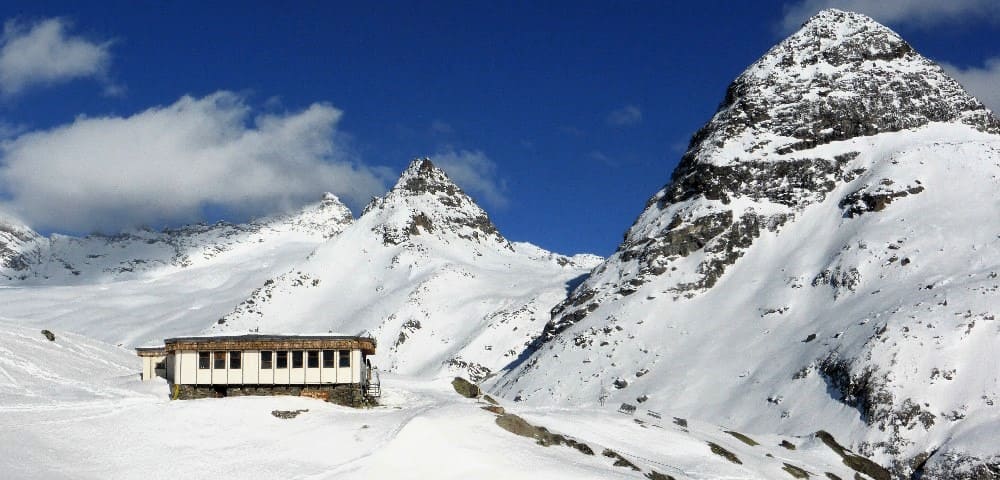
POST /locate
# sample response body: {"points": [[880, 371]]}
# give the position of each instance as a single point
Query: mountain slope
{"points": [[141, 286], [824, 257], [28, 258], [425, 271]]}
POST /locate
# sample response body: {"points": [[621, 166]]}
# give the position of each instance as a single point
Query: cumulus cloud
{"points": [[625, 116], [918, 12], [475, 173], [44, 53], [982, 82], [166, 164]]}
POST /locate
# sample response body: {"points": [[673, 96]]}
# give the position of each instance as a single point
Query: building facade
{"points": [[332, 367]]}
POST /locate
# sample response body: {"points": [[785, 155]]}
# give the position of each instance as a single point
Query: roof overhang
{"points": [[272, 342]]}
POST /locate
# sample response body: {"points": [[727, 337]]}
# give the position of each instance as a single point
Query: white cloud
{"points": [[625, 116], [475, 173], [166, 164], [918, 12], [983, 83], [43, 54]]}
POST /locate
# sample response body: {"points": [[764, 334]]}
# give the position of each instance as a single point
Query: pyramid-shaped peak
{"points": [[843, 18], [842, 75], [426, 201], [422, 176], [836, 37]]}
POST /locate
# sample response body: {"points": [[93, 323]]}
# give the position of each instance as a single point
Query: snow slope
{"points": [[75, 408], [426, 272], [27, 258], [824, 257], [139, 287]]}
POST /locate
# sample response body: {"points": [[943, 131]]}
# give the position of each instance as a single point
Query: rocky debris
{"points": [[654, 475], [518, 426], [476, 372], [722, 452], [787, 445], [840, 278], [466, 388], [855, 462], [958, 466], [497, 409], [620, 461], [287, 414], [868, 390], [743, 438], [795, 471], [49, 335], [876, 199]]}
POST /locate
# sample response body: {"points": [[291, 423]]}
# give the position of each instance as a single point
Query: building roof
{"points": [[151, 351], [271, 342]]}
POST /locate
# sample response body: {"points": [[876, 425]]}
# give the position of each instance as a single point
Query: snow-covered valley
{"points": [[53, 424]]}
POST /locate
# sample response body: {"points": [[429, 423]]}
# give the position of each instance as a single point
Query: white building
{"points": [[332, 367]]}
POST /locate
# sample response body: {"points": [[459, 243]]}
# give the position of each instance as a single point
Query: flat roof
{"points": [[270, 341], [151, 351], [264, 337]]}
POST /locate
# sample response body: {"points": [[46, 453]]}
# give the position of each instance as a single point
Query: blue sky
{"points": [[560, 118]]}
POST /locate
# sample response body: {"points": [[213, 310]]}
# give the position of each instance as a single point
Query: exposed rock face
{"points": [[20, 247], [435, 206], [841, 76]]}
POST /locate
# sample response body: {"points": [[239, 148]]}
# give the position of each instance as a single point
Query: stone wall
{"points": [[350, 395]]}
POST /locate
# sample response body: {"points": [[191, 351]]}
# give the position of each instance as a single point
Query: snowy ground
{"points": [[75, 408]]}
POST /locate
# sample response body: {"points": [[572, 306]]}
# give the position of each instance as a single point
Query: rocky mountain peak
{"points": [[426, 201], [422, 176], [841, 75]]}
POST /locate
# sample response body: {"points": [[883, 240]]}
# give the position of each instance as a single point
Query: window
{"points": [[234, 360], [297, 359], [220, 360], [282, 359], [345, 358], [265, 360], [312, 359], [203, 360], [328, 359]]}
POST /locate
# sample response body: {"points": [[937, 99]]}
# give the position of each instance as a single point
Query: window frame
{"points": [[344, 360], [281, 360], [235, 360], [266, 363], [204, 360], [219, 358], [312, 359], [328, 359], [298, 359]]}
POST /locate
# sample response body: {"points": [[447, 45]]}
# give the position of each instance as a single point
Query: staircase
{"points": [[373, 388]]}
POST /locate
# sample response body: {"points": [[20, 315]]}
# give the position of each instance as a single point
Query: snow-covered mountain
{"points": [[425, 271], [29, 258], [141, 286], [825, 256]]}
